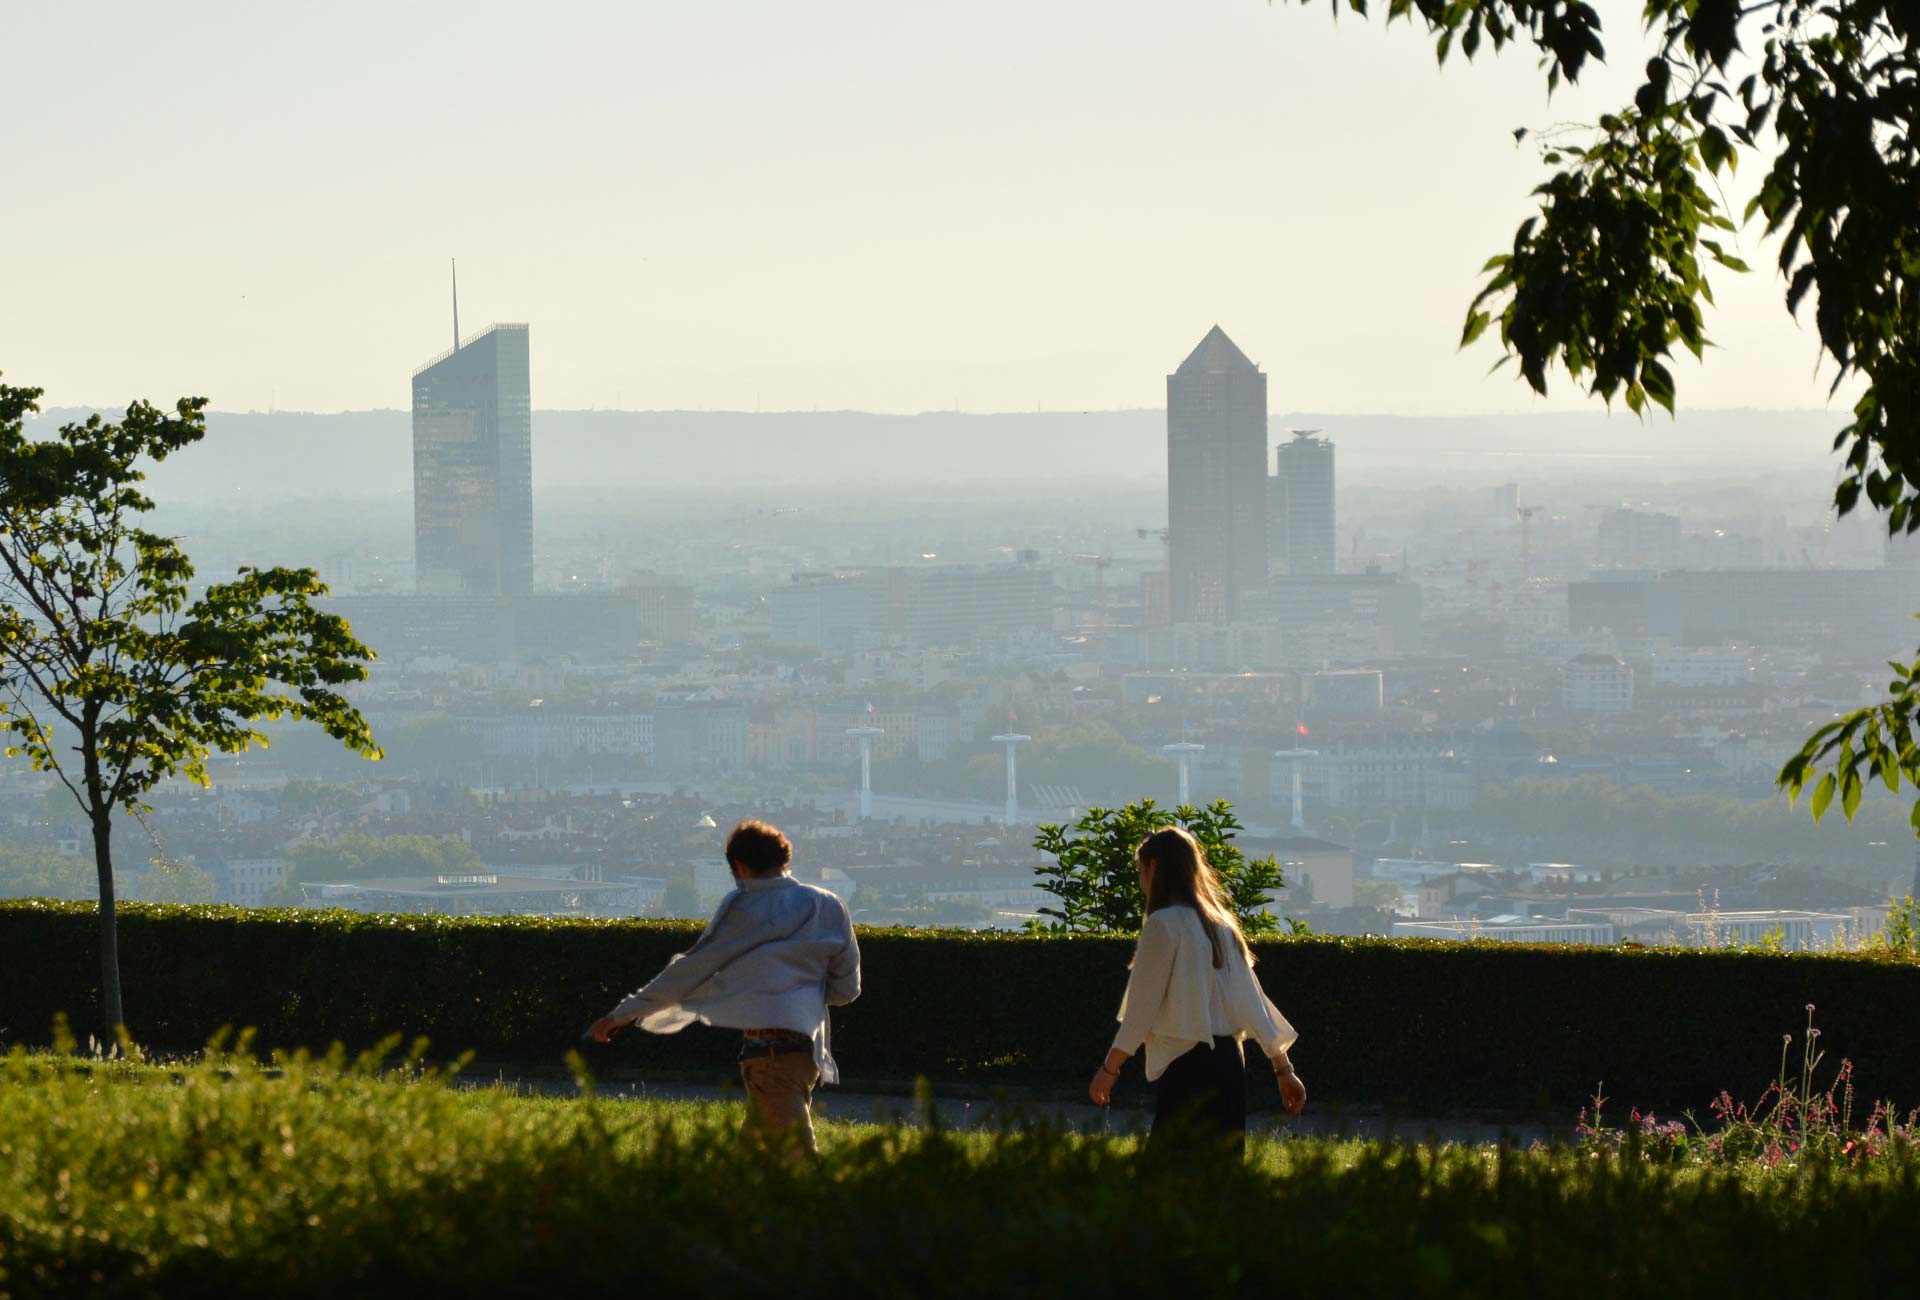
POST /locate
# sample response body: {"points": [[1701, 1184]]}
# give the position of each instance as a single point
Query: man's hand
{"points": [[603, 1029], [1293, 1093]]}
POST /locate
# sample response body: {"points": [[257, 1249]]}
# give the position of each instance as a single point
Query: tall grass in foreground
{"points": [[328, 1178]]}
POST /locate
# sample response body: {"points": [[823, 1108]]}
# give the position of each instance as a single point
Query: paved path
{"points": [[867, 1107]]}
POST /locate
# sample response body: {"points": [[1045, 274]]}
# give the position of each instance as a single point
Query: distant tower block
{"points": [[1297, 757], [1302, 511], [1216, 481], [1526, 514], [473, 465], [1183, 753], [1013, 743], [865, 736]]}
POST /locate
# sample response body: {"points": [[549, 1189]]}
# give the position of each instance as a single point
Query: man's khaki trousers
{"points": [[779, 1099]]}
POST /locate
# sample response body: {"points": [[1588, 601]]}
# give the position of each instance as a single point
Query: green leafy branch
{"points": [[1872, 743], [1606, 279]]}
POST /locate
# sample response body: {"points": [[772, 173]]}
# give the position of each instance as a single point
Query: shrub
{"points": [[1412, 1025], [1093, 874], [1902, 932]]}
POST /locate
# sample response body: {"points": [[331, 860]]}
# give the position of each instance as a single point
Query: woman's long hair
{"points": [[1181, 874]]}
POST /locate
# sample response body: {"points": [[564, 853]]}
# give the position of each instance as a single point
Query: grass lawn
{"points": [[331, 1179]]}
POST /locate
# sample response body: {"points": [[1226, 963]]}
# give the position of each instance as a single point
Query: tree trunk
{"points": [[110, 1005]]}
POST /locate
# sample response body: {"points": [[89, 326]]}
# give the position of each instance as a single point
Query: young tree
{"points": [[1608, 276], [113, 675], [1093, 876]]}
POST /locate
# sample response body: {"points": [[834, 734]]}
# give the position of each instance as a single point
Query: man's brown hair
{"points": [[759, 848]]}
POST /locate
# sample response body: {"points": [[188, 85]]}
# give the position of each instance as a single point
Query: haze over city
{"points": [[875, 207]]}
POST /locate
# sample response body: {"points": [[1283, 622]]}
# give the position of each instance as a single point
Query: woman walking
{"points": [[1191, 999]]}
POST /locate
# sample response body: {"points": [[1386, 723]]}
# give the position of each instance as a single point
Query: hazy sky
{"points": [[877, 204]]}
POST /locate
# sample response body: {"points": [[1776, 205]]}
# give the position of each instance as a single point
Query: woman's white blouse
{"points": [[1176, 997]]}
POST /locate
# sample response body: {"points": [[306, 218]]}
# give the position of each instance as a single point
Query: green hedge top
{"points": [[684, 931], [1415, 1023]]}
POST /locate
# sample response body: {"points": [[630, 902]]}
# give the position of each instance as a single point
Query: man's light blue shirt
{"points": [[777, 954]]}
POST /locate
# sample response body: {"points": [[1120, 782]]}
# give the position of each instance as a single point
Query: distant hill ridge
{"points": [[369, 453]]}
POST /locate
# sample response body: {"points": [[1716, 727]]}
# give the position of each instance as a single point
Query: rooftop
{"points": [[467, 342], [1216, 352]]}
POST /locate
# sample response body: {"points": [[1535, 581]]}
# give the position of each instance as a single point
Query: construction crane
{"points": [[1099, 563], [1144, 533], [1526, 514]]}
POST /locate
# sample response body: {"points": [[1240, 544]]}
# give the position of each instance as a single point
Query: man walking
{"points": [[775, 956]]}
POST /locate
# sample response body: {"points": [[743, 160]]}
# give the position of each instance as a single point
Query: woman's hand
{"points": [[1101, 1089], [1293, 1093]]}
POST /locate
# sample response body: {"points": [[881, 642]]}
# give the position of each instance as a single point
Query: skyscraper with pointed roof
{"points": [[1216, 481]]}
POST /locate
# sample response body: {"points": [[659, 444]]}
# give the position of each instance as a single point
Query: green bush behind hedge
{"points": [[1412, 1025]]}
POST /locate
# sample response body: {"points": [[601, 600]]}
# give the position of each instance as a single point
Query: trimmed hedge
{"points": [[1417, 1026]]}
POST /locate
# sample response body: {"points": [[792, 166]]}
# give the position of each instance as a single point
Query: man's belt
{"points": [[753, 1047]]}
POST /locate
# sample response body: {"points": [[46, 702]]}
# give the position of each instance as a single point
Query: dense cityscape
{"points": [[1489, 709]]}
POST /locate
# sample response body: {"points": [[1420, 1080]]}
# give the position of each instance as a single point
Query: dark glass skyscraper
{"points": [[1216, 481], [1303, 524], [473, 468]]}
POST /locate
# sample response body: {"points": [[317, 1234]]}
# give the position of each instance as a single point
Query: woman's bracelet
{"points": [[1104, 1070]]}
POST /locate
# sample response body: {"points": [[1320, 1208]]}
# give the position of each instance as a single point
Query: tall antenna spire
{"points": [[455, 265]]}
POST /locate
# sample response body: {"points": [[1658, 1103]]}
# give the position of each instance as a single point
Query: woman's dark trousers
{"points": [[1201, 1098]]}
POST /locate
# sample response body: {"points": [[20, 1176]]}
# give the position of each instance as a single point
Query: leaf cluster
{"points": [[116, 672], [1091, 870], [1874, 743], [1608, 276]]}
